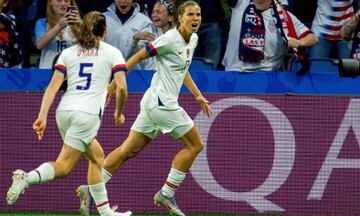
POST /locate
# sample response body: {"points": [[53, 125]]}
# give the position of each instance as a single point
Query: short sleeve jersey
{"points": [[88, 74], [173, 57]]}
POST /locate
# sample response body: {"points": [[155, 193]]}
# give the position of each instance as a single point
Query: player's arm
{"points": [[136, 58], [190, 84], [40, 123], [121, 96]]}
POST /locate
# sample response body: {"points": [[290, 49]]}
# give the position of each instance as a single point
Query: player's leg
{"points": [[181, 127], [180, 166], [48, 171], [140, 135], [130, 148], [96, 183]]}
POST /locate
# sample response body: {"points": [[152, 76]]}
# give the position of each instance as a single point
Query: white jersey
{"points": [[274, 49], [88, 75], [330, 16], [173, 57]]}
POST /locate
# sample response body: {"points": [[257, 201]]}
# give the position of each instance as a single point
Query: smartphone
{"points": [[72, 9]]}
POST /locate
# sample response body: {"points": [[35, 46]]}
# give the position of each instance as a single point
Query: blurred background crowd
{"points": [[33, 32]]}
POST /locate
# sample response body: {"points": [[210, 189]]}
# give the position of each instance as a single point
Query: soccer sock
{"points": [[173, 181], [106, 175], [99, 194], [44, 173]]}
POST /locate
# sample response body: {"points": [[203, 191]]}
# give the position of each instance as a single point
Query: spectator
{"points": [[210, 32], [53, 34], [351, 31], [262, 38], [10, 54], [330, 16], [124, 20], [23, 11], [162, 16]]}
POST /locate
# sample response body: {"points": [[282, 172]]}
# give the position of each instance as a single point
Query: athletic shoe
{"points": [[128, 213], [18, 186], [169, 203], [86, 199]]}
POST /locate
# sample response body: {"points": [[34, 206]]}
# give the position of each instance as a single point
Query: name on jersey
{"points": [[91, 52]]}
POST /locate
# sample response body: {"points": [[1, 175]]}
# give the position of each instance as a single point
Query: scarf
{"points": [[252, 33]]}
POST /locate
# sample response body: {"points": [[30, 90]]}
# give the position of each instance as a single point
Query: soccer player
{"points": [[160, 111], [88, 67]]}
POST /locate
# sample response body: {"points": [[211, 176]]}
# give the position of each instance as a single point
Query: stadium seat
{"points": [[198, 63]]}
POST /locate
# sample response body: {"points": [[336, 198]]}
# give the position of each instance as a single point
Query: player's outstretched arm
{"points": [[204, 104], [136, 58], [40, 123]]}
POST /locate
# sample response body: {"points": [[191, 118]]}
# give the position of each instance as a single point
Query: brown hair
{"points": [[91, 30], [181, 8]]}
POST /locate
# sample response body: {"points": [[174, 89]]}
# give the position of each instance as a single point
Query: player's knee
{"points": [[197, 147]]}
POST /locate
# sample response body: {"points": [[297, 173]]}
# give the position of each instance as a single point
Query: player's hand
{"points": [[204, 104], [39, 126], [119, 119]]}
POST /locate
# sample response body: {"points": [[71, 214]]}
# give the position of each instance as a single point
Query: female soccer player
{"points": [[160, 111], [88, 67]]}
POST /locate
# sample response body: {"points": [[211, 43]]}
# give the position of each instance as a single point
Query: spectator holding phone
{"points": [[55, 32]]}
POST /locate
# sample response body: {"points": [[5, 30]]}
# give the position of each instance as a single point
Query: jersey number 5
{"points": [[83, 74]]}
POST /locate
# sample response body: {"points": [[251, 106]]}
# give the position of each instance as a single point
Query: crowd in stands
{"points": [[235, 35]]}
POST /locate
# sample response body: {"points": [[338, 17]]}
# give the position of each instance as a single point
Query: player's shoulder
{"points": [[194, 36], [172, 35]]}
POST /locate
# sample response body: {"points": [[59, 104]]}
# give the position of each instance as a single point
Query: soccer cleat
{"points": [[86, 199], [169, 203], [18, 186], [128, 213]]}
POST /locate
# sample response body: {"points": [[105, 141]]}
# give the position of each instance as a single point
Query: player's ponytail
{"points": [[92, 30]]}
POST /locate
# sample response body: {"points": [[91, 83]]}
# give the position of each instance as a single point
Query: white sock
{"points": [[44, 173], [106, 175], [99, 194], [173, 181]]}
